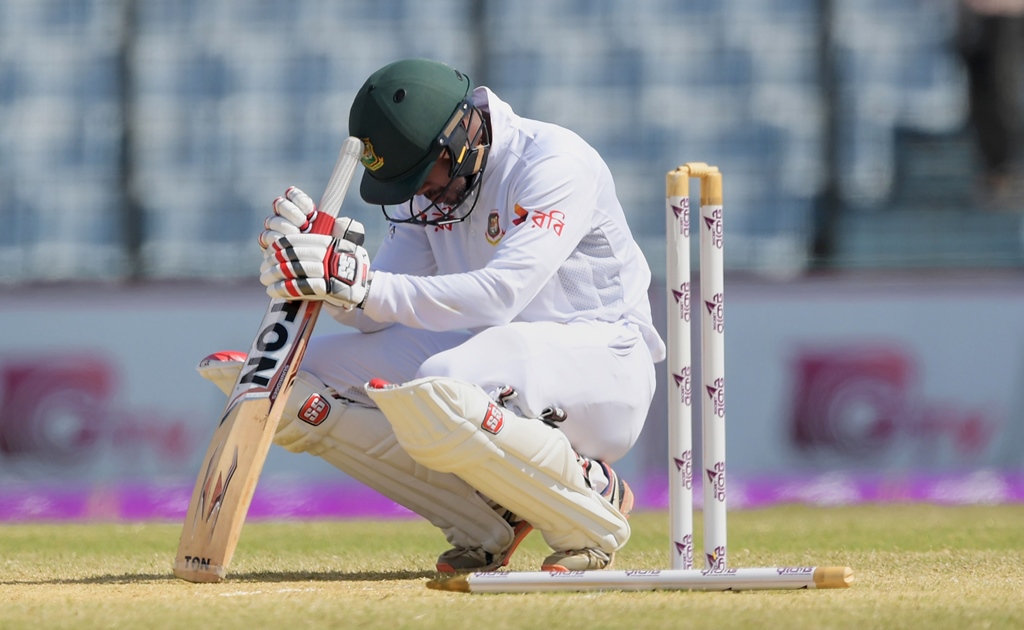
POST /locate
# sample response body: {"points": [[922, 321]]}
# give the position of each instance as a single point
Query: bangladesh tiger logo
{"points": [[370, 159], [494, 231]]}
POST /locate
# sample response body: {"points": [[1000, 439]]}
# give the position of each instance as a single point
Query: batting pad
{"points": [[523, 464], [359, 441], [222, 368]]}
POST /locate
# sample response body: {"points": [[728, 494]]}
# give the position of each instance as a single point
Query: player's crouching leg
{"points": [[360, 442], [521, 463]]}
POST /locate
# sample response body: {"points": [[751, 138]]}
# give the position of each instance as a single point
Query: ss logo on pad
{"points": [[493, 419], [314, 410]]}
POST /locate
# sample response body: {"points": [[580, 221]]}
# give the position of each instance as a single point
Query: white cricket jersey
{"points": [[547, 241]]}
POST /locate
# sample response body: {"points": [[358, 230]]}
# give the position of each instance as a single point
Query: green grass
{"points": [[915, 566]]}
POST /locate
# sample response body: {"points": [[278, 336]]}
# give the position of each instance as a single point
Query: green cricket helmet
{"points": [[408, 113]]}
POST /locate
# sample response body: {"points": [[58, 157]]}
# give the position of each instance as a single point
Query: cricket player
{"points": [[503, 351]]}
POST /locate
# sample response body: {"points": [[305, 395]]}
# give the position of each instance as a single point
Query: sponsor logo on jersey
{"points": [[441, 214], [494, 231], [553, 220], [520, 215]]}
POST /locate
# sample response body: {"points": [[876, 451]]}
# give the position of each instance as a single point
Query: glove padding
{"points": [[316, 267], [295, 212]]}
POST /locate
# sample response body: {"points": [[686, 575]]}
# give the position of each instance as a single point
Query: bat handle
{"points": [[323, 224], [341, 177]]}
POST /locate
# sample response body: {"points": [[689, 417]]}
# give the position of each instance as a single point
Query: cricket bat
{"points": [[232, 466]]}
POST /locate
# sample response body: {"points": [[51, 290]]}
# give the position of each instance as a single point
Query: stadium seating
{"points": [[232, 101]]}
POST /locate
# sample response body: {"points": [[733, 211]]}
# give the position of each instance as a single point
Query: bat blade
{"points": [[231, 468], [222, 494]]}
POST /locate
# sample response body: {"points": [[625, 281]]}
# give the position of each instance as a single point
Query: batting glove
{"points": [[316, 267], [295, 213]]}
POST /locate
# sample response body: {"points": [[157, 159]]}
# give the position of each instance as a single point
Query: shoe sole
{"points": [[521, 531]]}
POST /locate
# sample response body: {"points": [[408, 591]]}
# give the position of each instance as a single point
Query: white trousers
{"points": [[600, 374]]}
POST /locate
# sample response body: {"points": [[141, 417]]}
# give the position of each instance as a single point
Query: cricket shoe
{"points": [[619, 495], [472, 560]]}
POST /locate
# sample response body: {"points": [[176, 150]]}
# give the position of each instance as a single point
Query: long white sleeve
{"points": [[547, 241], [405, 251], [525, 260]]}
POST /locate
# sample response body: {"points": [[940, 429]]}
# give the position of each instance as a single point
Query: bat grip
{"points": [[323, 224]]}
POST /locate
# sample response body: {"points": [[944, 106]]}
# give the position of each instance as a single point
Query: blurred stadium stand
{"points": [[147, 138]]}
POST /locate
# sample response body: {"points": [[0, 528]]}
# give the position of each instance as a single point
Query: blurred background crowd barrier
{"points": [[874, 219], [145, 138]]}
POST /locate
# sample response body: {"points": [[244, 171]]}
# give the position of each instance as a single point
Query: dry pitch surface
{"points": [[916, 566]]}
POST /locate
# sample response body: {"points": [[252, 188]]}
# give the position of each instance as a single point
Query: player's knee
{"points": [[315, 418], [437, 365], [444, 424], [305, 419]]}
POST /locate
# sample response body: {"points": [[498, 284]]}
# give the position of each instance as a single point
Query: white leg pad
{"points": [[222, 368], [523, 464], [360, 442]]}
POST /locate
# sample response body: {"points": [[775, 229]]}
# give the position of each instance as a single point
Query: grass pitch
{"points": [[916, 566]]}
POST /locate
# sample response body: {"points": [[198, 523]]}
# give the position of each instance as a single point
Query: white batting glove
{"points": [[316, 267], [295, 212]]}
